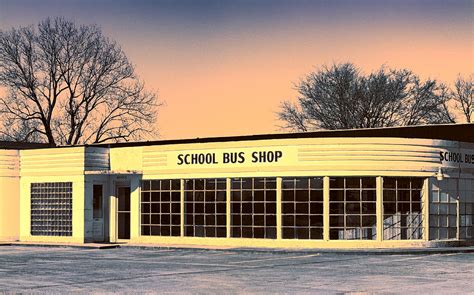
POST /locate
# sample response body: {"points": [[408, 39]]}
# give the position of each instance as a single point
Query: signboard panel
{"points": [[462, 158], [234, 157]]}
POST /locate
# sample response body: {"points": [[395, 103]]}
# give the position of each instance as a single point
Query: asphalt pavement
{"points": [[132, 270]]}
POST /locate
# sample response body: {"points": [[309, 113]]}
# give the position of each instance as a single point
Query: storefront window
{"points": [[51, 209], [161, 207], [205, 208], [352, 208], [466, 209], [302, 208], [402, 208], [253, 208], [446, 196]]}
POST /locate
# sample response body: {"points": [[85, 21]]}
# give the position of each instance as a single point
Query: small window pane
{"points": [[97, 201]]}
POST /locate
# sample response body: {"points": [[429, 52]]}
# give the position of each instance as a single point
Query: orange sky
{"points": [[223, 67]]}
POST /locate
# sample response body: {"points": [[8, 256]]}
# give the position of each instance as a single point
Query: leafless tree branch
{"points": [[341, 97], [463, 97], [68, 84]]}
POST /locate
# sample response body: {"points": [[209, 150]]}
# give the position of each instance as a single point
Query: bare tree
{"points": [[462, 95], [341, 97], [68, 84]]}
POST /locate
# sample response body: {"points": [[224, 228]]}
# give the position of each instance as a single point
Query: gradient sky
{"points": [[223, 67]]}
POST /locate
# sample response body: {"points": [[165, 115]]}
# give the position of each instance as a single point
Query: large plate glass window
{"points": [[302, 208], [466, 209], [205, 208], [451, 204], [352, 208], [51, 209], [402, 208], [253, 208], [161, 207]]}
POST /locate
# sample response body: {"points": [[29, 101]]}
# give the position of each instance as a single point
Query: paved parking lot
{"points": [[41, 269]]}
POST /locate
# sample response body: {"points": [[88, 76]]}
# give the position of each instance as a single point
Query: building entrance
{"points": [[123, 212]]}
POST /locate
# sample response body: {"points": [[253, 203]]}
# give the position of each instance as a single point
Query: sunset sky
{"points": [[223, 67]]}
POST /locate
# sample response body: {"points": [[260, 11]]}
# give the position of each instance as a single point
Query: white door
{"points": [[98, 212]]}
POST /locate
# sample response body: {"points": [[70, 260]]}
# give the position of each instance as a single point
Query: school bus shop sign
{"points": [[229, 157], [463, 158]]}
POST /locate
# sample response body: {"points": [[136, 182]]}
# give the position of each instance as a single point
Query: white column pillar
{"points": [[326, 208], [112, 211], [135, 190], [379, 208], [181, 222], [425, 208], [278, 207], [228, 208]]}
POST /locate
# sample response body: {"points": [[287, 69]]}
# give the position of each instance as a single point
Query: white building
{"points": [[372, 188]]}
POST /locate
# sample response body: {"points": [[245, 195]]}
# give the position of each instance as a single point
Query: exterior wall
{"points": [[9, 195], [53, 165], [375, 157], [317, 157], [127, 159]]}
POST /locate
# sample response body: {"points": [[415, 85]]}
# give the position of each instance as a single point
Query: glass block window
{"points": [[205, 208], [161, 207], [402, 208], [302, 208], [253, 208], [352, 208], [51, 209]]}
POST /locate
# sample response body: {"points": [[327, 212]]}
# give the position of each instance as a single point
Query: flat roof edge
{"points": [[452, 132]]}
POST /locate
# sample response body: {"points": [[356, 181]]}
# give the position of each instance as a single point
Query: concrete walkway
{"points": [[62, 245], [383, 251]]}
